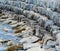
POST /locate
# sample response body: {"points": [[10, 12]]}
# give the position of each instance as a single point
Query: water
{"points": [[6, 35]]}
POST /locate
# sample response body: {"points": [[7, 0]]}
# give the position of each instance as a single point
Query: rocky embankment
{"points": [[29, 27]]}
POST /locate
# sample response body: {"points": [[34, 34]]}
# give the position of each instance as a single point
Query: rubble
{"points": [[30, 28], [30, 45], [35, 49], [29, 39], [13, 47]]}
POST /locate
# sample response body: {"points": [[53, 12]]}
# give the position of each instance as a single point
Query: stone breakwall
{"points": [[52, 15], [52, 4], [45, 15]]}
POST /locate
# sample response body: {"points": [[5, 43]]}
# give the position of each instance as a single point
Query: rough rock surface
{"points": [[30, 26]]}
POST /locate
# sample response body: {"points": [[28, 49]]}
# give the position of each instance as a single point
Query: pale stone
{"points": [[35, 49], [30, 45], [29, 39]]}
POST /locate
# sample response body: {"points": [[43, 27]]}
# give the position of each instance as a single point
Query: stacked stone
{"points": [[42, 10], [51, 19]]}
